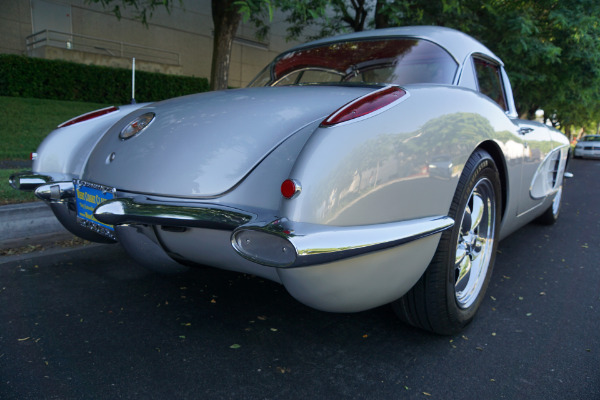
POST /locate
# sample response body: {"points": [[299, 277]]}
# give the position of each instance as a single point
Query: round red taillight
{"points": [[289, 188]]}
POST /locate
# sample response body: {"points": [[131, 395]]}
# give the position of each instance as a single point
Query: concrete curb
{"points": [[20, 221]]}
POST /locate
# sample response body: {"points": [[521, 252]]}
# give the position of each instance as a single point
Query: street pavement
{"points": [[88, 323]]}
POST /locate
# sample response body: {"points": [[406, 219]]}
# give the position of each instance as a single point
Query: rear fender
{"points": [[63, 153], [400, 164]]}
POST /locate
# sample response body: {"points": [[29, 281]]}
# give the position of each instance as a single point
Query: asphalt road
{"points": [[91, 324]]}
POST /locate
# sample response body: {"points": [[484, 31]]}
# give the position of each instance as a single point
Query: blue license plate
{"points": [[89, 196]]}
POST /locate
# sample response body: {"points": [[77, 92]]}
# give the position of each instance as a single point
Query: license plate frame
{"points": [[88, 196]]}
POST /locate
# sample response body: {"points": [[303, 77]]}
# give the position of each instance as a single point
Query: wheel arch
{"points": [[496, 153]]}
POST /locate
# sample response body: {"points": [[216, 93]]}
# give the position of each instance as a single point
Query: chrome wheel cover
{"points": [[475, 243]]}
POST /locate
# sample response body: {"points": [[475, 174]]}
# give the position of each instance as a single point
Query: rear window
{"points": [[381, 61]]}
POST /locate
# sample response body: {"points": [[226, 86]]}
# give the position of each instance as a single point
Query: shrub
{"points": [[22, 76]]}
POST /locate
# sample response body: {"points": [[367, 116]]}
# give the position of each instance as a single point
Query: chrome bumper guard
{"points": [[44, 186], [55, 192], [28, 181], [143, 210], [284, 243]]}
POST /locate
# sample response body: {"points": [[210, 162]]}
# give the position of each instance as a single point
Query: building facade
{"points": [[179, 42]]}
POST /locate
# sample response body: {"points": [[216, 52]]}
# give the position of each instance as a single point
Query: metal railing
{"points": [[89, 44]]}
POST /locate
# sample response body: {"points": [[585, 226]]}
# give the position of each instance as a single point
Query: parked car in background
{"points": [[587, 147], [365, 169]]}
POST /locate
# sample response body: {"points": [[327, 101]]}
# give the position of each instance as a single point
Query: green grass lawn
{"points": [[24, 123]]}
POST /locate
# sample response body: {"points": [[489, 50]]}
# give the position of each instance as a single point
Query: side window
{"points": [[490, 81], [320, 76]]}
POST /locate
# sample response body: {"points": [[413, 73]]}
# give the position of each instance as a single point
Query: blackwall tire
{"points": [[447, 296]]}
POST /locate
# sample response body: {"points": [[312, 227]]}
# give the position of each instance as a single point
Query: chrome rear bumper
{"points": [[280, 243]]}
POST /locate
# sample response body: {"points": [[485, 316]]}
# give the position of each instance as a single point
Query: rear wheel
{"points": [[447, 296], [550, 216]]}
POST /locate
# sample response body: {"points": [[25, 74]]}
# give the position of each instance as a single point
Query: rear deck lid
{"points": [[203, 145]]}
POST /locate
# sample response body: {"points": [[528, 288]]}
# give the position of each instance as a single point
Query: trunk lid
{"points": [[203, 145]]}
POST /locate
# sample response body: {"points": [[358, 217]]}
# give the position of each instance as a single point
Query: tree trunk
{"points": [[226, 20], [381, 19]]}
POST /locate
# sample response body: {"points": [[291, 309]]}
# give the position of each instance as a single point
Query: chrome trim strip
{"points": [[143, 210], [28, 181], [318, 244]]}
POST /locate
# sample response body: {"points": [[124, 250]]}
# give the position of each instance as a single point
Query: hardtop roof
{"points": [[458, 44]]}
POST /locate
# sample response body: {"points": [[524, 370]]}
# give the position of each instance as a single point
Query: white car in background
{"points": [[588, 147]]}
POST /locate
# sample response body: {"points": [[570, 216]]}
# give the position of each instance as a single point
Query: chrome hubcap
{"points": [[475, 243]]}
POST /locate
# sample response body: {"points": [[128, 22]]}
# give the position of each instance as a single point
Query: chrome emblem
{"points": [[136, 126]]}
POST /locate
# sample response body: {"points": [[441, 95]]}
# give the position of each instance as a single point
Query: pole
{"points": [[133, 81]]}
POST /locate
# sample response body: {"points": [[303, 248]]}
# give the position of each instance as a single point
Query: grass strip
{"points": [[24, 123], [8, 195]]}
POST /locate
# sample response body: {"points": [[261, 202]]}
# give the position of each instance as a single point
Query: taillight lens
{"points": [[88, 116], [289, 188], [365, 105]]}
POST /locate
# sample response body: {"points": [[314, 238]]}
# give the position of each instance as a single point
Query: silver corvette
{"points": [[360, 170]]}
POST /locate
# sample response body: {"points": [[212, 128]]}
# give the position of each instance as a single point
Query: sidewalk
{"points": [[28, 224]]}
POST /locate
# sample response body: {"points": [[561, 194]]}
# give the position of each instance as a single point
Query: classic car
{"points": [[360, 170], [588, 147]]}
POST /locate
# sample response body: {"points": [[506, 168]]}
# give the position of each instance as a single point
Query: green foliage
{"points": [[323, 14], [252, 8], [258, 12], [53, 79], [8, 195], [550, 47]]}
